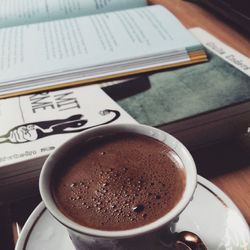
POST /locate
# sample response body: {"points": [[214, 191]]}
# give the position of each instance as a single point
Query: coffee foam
{"points": [[120, 182]]}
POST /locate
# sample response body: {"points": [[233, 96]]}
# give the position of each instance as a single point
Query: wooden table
{"points": [[226, 164]]}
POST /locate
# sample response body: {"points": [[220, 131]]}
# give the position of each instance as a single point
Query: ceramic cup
{"points": [[155, 235]]}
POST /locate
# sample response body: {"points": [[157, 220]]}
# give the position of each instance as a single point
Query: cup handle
{"points": [[188, 241]]}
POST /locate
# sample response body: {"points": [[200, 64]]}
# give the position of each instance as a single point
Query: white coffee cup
{"points": [[155, 235]]}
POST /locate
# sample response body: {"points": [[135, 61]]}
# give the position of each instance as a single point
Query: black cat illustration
{"points": [[37, 130]]}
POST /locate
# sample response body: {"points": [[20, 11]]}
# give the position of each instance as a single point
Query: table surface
{"points": [[226, 164]]}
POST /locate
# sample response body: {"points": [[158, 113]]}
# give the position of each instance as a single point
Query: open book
{"points": [[57, 43]]}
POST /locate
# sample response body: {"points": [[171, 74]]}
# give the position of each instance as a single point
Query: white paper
{"points": [[55, 47], [19, 12]]}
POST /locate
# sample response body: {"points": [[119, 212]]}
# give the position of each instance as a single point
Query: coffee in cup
{"points": [[118, 182]]}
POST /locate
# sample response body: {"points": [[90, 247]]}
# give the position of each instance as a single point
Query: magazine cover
{"points": [[33, 126]]}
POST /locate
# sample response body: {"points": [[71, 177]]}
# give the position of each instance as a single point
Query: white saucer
{"points": [[211, 215]]}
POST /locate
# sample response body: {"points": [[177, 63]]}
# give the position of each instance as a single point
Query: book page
{"points": [[39, 123], [64, 46], [19, 12]]}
